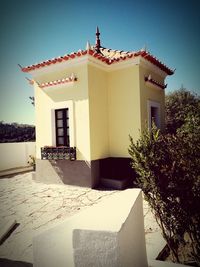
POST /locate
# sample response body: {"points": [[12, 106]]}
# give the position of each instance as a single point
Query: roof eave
{"points": [[144, 54]]}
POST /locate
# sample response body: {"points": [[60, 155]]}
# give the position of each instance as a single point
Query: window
{"points": [[62, 127], [153, 113]]}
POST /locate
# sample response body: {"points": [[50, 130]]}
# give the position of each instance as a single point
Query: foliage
{"points": [[15, 132], [180, 105], [168, 171], [31, 161], [189, 134]]}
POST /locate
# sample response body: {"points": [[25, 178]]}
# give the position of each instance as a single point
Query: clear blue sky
{"points": [[33, 31]]}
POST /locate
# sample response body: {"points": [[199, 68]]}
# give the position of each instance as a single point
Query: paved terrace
{"points": [[36, 206]]}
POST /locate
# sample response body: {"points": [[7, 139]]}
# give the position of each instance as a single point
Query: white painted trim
{"points": [[59, 66], [97, 63], [152, 85], [114, 66], [125, 64], [148, 65], [59, 105], [151, 103], [88, 59], [56, 86]]}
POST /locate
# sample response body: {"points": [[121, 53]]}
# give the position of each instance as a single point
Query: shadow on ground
{"points": [[9, 263]]}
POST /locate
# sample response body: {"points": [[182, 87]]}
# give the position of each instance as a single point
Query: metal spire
{"points": [[98, 42]]}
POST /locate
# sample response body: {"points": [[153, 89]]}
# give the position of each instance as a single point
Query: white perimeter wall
{"points": [[13, 155]]}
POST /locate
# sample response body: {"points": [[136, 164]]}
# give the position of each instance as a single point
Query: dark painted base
{"points": [[116, 168], [115, 173], [64, 172], [76, 172]]}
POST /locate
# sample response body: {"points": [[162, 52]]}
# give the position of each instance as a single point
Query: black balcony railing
{"points": [[61, 152]]}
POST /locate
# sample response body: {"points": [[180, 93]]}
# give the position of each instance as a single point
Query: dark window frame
{"points": [[154, 116], [65, 127]]}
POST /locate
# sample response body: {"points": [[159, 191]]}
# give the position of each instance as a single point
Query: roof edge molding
{"points": [[104, 55], [151, 82], [66, 80]]}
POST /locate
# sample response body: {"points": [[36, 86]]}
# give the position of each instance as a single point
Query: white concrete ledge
{"points": [[109, 234], [156, 263]]}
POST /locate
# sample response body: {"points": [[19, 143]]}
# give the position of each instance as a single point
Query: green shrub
{"points": [[179, 104], [168, 171]]}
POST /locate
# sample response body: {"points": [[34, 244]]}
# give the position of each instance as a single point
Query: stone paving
{"points": [[36, 206]]}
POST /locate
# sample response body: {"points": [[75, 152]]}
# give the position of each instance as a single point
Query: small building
{"points": [[87, 103]]}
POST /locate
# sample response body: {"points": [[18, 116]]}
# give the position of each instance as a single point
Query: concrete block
{"points": [[95, 248], [109, 234], [115, 184], [156, 263]]}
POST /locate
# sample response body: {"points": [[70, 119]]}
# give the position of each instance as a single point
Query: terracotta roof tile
{"points": [[154, 82], [106, 55], [72, 78]]}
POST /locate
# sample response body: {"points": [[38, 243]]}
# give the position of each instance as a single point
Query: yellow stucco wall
{"points": [[152, 94], [98, 110], [42, 120], [124, 109], [114, 104], [76, 92], [107, 107], [75, 96]]}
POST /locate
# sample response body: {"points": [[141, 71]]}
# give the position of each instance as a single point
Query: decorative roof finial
{"points": [[88, 46], [98, 42], [144, 48]]}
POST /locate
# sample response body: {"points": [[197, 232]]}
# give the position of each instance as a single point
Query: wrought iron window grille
{"points": [[56, 153]]}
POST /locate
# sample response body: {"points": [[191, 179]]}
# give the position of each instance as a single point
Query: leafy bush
{"points": [[14, 132], [180, 105], [168, 171]]}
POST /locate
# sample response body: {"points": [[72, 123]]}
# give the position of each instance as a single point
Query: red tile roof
{"points": [[108, 56], [72, 78], [154, 82]]}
